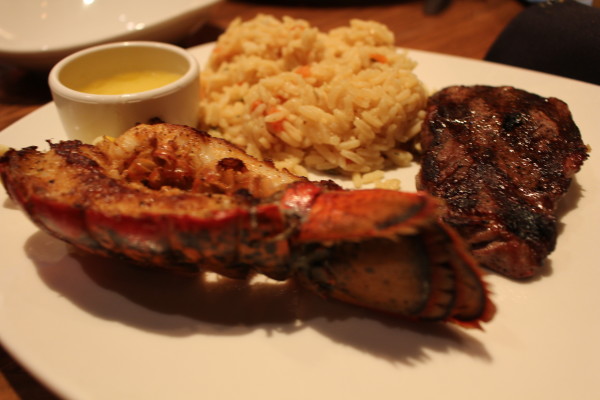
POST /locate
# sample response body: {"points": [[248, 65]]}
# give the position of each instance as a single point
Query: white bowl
{"points": [[87, 116], [37, 34]]}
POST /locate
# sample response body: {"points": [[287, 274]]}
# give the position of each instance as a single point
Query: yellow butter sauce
{"points": [[130, 82]]}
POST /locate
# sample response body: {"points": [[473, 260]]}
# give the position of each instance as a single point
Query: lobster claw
{"points": [[396, 257]]}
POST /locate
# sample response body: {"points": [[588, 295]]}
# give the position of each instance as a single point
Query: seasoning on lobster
{"points": [[173, 197]]}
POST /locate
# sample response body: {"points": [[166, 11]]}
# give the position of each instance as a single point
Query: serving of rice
{"points": [[344, 101]]}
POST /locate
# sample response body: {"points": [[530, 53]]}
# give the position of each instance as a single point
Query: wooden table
{"points": [[465, 28]]}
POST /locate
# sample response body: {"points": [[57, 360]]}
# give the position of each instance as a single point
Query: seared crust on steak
{"points": [[501, 158]]}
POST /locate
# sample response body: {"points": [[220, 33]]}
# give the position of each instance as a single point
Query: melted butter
{"points": [[130, 82]]}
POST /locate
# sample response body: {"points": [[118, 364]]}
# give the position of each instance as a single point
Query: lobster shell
{"points": [[176, 198]]}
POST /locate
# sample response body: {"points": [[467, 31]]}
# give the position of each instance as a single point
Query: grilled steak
{"points": [[501, 158]]}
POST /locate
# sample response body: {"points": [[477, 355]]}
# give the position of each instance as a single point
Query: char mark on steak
{"points": [[501, 158]]}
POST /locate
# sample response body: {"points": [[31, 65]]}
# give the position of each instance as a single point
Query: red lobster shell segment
{"points": [[172, 197], [338, 215]]}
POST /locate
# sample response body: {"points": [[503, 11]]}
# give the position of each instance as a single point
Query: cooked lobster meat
{"points": [[501, 158], [172, 197]]}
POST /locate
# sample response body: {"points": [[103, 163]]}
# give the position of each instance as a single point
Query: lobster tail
{"points": [[399, 260], [172, 197]]}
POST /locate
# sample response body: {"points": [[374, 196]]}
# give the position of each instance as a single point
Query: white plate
{"points": [[37, 34], [92, 329]]}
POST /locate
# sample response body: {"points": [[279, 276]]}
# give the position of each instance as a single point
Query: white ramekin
{"points": [[87, 116]]}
